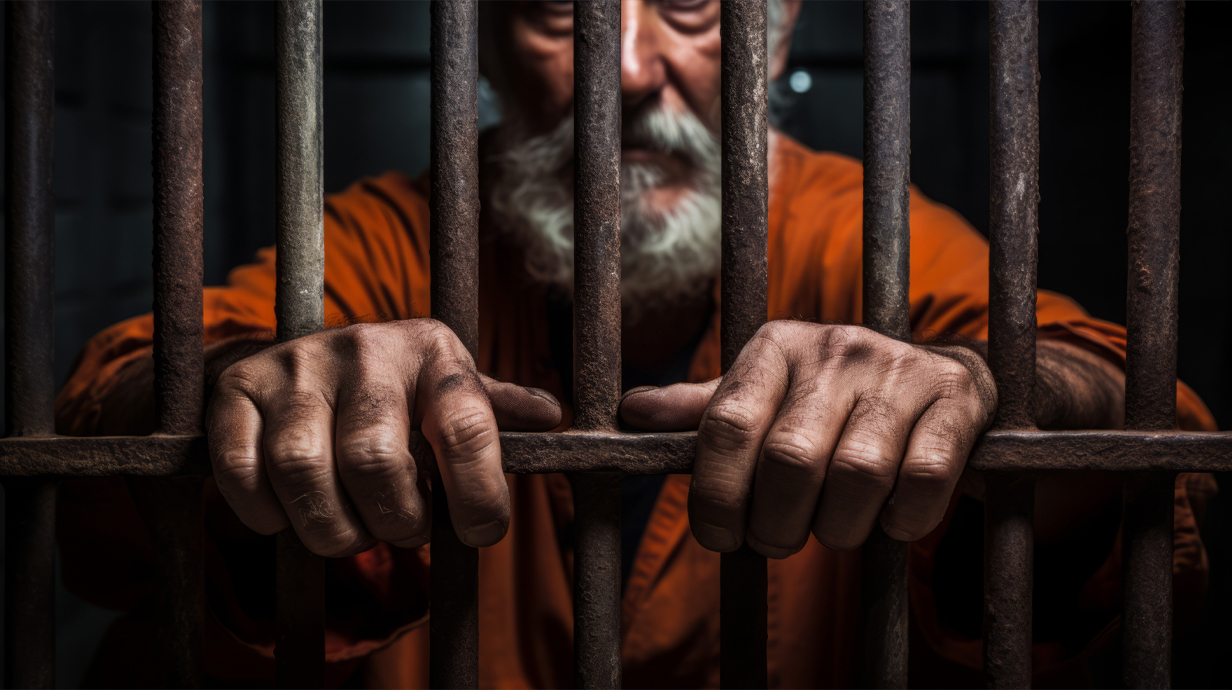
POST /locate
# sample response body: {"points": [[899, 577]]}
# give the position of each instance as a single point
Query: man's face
{"points": [[669, 60]]}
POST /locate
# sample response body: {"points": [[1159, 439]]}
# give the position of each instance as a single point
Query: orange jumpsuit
{"points": [[376, 235]]}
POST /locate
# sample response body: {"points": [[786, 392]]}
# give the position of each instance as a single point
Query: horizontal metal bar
{"points": [[650, 453]]}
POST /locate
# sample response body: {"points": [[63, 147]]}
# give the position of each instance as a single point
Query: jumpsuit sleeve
{"points": [[376, 269]]}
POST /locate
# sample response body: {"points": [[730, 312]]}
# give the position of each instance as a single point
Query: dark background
{"points": [[376, 110]]}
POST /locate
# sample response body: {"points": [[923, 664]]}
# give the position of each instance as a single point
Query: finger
{"points": [[234, 430], [520, 408], [936, 454], [375, 464], [459, 423], [729, 439], [792, 467], [678, 407], [862, 470], [299, 452]]}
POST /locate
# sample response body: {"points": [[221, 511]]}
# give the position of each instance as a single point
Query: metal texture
{"points": [[299, 307], [299, 179], [596, 213], [1157, 47], [596, 579], [596, 336], [172, 506], [887, 156], [649, 453], [1009, 503], [30, 504], [179, 269], [454, 203], [743, 286]]}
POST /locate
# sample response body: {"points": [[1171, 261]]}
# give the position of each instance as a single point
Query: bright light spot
{"points": [[801, 81]]}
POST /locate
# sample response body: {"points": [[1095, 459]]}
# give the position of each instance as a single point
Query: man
{"points": [[821, 428]]}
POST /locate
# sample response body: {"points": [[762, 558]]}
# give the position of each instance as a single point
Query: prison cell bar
{"points": [[299, 306], [596, 337], [171, 506], [1157, 42], [454, 247], [30, 502], [743, 285], [887, 151], [1013, 256]]}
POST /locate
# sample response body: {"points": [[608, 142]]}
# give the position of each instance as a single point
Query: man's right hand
{"points": [[315, 433]]}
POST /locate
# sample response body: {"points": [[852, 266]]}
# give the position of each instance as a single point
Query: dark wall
{"points": [[376, 114]]}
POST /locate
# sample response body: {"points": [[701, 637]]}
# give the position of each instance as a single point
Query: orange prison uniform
{"points": [[376, 235]]}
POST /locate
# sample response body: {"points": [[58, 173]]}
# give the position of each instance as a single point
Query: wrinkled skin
{"points": [[821, 429]]}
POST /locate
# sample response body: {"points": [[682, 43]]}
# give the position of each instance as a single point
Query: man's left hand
{"points": [[828, 429]]}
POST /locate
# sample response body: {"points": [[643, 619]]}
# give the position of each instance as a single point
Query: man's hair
{"points": [[666, 256]]}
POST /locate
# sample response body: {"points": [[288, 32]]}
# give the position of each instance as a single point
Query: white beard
{"points": [[666, 256]]}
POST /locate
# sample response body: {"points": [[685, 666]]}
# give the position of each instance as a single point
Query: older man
{"points": [[819, 429]]}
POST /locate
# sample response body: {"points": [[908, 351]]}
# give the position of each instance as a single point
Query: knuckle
{"points": [[862, 465], [467, 431], [235, 465], [931, 469], [298, 462], [728, 427], [371, 455], [795, 453], [952, 379]]}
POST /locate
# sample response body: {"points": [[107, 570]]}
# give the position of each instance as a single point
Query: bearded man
{"points": [[821, 428]]}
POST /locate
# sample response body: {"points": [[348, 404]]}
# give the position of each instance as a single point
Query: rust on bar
{"points": [[1009, 505], [1157, 47], [887, 151], [30, 503], [642, 453], [454, 203], [299, 306], [596, 336], [743, 285], [171, 506]]}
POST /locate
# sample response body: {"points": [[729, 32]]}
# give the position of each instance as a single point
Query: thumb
{"points": [[677, 407], [518, 408]]}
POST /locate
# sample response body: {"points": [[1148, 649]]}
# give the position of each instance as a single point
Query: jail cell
{"points": [[166, 470]]}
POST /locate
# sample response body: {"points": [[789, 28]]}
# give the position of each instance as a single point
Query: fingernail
{"points": [[639, 389], [715, 538], [541, 394], [485, 535], [765, 549], [895, 533]]}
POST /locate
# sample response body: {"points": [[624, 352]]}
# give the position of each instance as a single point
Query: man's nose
{"points": [[642, 69]]}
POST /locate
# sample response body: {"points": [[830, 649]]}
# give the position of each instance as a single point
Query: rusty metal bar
{"points": [[454, 174], [1009, 503], [887, 154], [745, 102], [596, 336], [1157, 46], [643, 453], [30, 503], [172, 506], [300, 307]]}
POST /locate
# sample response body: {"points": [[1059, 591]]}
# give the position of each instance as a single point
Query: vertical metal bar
{"points": [[1009, 504], [179, 380], [29, 632], [887, 152], [454, 174], [299, 307], [596, 336], [1150, 367], [745, 103]]}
